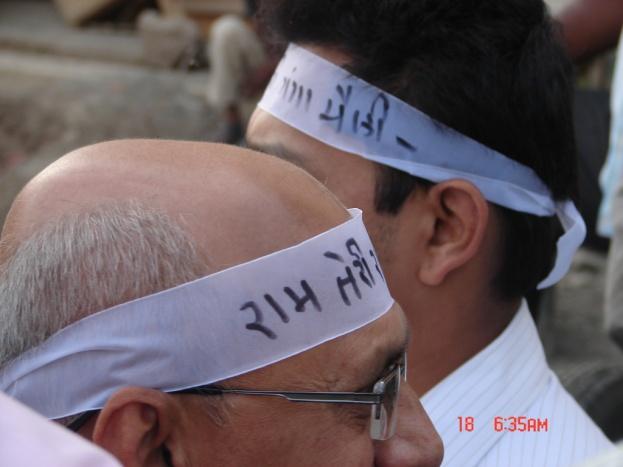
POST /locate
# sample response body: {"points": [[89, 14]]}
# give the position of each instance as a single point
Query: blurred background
{"points": [[75, 72]]}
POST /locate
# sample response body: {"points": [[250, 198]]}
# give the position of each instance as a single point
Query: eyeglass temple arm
{"points": [[329, 397]]}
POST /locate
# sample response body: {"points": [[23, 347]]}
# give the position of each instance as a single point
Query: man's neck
{"points": [[444, 339]]}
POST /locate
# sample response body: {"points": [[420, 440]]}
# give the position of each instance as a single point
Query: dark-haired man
{"points": [[448, 122]]}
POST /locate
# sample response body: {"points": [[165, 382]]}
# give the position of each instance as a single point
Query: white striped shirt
{"points": [[613, 458], [511, 378]]}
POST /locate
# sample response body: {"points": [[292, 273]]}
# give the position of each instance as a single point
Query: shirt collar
{"points": [[502, 380]]}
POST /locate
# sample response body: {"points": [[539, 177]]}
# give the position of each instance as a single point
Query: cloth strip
{"points": [[215, 328], [329, 104]]}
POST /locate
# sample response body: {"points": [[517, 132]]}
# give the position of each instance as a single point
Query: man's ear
{"points": [[134, 426], [460, 214]]}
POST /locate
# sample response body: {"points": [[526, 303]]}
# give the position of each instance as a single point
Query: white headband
{"points": [[218, 327], [331, 105]]}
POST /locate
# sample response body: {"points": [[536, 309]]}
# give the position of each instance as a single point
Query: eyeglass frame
{"points": [[382, 423]]}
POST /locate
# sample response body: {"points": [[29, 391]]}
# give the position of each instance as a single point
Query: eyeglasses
{"points": [[383, 398]]}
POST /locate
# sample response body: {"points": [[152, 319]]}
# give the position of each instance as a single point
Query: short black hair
{"points": [[494, 70]]}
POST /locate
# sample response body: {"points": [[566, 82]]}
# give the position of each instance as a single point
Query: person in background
{"points": [[591, 27], [241, 64], [449, 123]]}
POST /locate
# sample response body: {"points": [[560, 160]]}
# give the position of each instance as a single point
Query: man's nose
{"points": [[416, 443]]}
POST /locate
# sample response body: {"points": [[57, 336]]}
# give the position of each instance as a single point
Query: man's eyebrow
{"points": [[278, 150]]}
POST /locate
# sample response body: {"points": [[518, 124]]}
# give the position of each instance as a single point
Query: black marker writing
{"points": [[405, 144], [344, 94], [360, 262], [374, 121], [343, 282], [310, 96], [275, 306], [335, 256], [285, 86], [293, 92], [258, 325], [376, 265], [293, 89], [301, 302]]}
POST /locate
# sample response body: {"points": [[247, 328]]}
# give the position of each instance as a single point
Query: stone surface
{"points": [[38, 27], [51, 105]]}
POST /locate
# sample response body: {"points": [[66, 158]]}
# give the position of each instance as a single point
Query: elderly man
{"points": [[448, 122], [137, 275]]}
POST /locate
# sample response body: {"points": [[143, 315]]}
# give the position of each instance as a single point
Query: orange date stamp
{"points": [[521, 424]]}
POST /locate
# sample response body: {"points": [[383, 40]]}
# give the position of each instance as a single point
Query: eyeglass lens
{"points": [[385, 415]]}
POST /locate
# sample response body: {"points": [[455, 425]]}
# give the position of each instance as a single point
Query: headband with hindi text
{"points": [[331, 105], [214, 328]]}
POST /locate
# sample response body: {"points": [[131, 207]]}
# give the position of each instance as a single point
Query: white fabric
{"points": [[29, 440], [613, 458], [610, 219], [331, 105], [612, 171], [511, 378], [223, 325]]}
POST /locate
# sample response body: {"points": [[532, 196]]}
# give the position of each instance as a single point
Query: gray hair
{"points": [[85, 263]]}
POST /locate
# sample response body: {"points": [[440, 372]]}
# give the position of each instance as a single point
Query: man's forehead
{"points": [[352, 362], [266, 132], [363, 355], [272, 136], [223, 183]]}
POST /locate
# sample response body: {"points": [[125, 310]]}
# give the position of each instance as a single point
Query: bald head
{"points": [[123, 220], [235, 204], [117, 221]]}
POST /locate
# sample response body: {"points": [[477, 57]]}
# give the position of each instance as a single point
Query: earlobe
{"points": [[134, 425], [461, 217]]}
